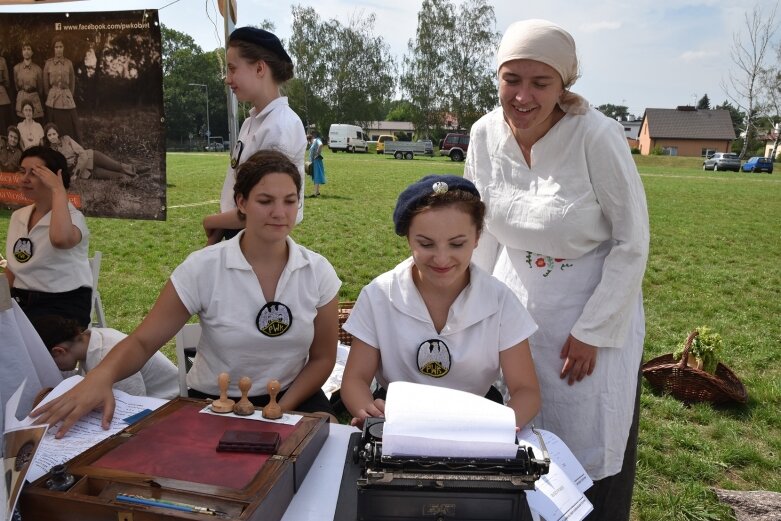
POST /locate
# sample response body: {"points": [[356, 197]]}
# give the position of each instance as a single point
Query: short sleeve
{"points": [[78, 220], [328, 281], [185, 280], [361, 323]]}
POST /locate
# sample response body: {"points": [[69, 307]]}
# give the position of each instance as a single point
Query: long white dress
{"points": [[570, 236]]}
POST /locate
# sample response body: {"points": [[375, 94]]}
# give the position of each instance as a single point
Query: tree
{"points": [[423, 80], [185, 105], [704, 103], [770, 84], [742, 86], [735, 114], [617, 112], [344, 73], [400, 110], [471, 74]]}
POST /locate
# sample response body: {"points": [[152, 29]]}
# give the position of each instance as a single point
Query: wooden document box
{"points": [[171, 456]]}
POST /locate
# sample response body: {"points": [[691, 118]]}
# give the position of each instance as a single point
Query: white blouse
{"points": [[581, 191]]}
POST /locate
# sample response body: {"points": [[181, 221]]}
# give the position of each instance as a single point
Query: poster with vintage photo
{"points": [[90, 86]]}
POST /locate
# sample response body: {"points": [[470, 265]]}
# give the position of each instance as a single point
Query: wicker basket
{"points": [[344, 313], [690, 384]]}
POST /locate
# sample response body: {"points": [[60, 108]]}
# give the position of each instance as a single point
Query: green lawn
{"points": [[715, 250]]}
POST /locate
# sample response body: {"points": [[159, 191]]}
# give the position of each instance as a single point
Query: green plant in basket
{"points": [[705, 350]]}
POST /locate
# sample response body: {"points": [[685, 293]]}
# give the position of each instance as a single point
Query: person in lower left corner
{"points": [[48, 242], [316, 160], [74, 348]]}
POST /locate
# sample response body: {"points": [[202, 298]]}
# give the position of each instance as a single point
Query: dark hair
{"points": [[52, 159], [25, 103], [461, 199], [281, 70], [54, 329], [257, 166], [12, 128], [46, 129]]}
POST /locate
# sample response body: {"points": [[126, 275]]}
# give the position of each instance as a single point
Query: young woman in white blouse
{"points": [[436, 318], [267, 308], [567, 230]]}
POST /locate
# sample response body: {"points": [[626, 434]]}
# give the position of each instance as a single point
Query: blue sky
{"points": [[639, 53]]}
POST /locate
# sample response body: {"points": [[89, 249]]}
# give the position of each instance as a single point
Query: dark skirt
{"points": [[75, 304]]}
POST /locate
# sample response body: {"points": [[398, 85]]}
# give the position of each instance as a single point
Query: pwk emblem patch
{"points": [[274, 319], [23, 249], [434, 358]]}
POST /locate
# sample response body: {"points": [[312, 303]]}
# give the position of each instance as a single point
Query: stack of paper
{"points": [[422, 420]]}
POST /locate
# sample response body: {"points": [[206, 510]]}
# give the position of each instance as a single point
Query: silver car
{"points": [[722, 161]]}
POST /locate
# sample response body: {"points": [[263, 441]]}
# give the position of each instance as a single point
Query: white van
{"points": [[349, 138]]}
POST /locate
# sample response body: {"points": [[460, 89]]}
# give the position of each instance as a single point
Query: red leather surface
{"points": [[183, 446]]}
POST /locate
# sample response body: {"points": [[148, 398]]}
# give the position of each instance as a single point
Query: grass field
{"points": [[715, 250]]}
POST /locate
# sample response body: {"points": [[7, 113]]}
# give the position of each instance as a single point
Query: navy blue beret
{"points": [[261, 38], [414, 195]]}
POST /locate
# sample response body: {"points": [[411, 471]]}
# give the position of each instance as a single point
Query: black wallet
{"points": [[249, 441]]}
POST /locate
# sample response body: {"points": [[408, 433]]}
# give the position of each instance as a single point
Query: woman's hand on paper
{"points": [[69, 408], [580, 359], [375, 409]]}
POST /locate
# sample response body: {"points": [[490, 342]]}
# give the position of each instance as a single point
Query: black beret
{"points": [[261, 38], [414, 194]]}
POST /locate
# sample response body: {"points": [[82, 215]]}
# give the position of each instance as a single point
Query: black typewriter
{"points": [[407, 487]]}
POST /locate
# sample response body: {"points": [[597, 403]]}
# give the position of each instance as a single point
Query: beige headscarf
{"points": [[545, 42]]}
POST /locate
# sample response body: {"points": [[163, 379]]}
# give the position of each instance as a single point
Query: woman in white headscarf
{"points": [[567, 230]]}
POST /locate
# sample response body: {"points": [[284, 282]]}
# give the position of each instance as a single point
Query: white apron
{"points": [[592, 416]]}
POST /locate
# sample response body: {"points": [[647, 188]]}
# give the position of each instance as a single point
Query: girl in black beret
{"points": [[257, 68], [436, 318]]}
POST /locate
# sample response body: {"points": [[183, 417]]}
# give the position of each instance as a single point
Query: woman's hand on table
{"points": [[69, 408], [580, 359]]}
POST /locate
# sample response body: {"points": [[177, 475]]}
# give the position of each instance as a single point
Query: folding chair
{"points": [[98, 317], [186, 343]]}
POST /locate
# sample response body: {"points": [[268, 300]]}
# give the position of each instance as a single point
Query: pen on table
{"points": [[164, 503]]}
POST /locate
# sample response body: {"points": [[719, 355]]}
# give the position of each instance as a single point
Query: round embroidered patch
{"points": [[274, 319], [434, 358], [23, 249]]}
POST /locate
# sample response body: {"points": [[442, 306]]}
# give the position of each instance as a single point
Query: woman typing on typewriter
{"points": [[267, 308], [436, 318]]}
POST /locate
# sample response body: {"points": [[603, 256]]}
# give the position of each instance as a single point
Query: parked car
{"points": [[381, 142], [722, 161], [758, 164], [455, 146], [350, 138], [216, 144]]}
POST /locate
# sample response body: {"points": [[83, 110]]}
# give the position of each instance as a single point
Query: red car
{"points": [[455, 146]]}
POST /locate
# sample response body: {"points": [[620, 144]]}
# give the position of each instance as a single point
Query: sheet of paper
{"points": [[286, 419], [423, 420], [559, 493], [87, 432]]}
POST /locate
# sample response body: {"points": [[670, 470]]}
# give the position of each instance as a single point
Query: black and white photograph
{"points": [[89, 85]]}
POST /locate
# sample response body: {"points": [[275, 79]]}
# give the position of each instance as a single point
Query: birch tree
{"points": [[749, 51]]}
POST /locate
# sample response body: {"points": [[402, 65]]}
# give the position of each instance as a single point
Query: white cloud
{"points": [[604, 25], [691, 56]]}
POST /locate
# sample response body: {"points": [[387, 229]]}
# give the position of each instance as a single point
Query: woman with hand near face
{"points": [[267, 309], [436, 318], [48, 243], [567, 230], [258, 67]]}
